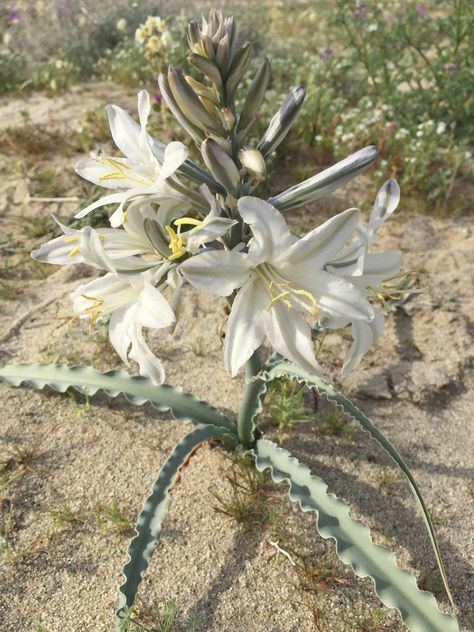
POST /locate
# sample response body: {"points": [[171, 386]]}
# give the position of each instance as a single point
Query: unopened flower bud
{"points": [[221, 165], [253, 163]]}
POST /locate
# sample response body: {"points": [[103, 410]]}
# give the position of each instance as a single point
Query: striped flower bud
{"points": [[221, 165], [282, 121], [255, 95]]}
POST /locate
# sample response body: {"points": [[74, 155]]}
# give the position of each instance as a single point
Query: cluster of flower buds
{"points": [[178, 221]]}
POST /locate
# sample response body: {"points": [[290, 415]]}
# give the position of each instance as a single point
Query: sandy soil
{"points": [[416, 386]]}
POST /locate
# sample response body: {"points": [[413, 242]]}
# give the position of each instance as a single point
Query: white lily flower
{"points": [[374, 274], [279, 277], [112, 249], [132, 302], [139, 173]]}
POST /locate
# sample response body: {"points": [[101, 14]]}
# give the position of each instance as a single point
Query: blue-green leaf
{"points": [[285, 369], [395, 587], [150, 520], [138, 390]]}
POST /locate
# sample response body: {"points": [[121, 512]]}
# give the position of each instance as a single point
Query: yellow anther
{"points": [[71, 240], [308, 295], [176, 244], [187, 221], [118, 171], [97, 303], [279, 297], [74, 252]]}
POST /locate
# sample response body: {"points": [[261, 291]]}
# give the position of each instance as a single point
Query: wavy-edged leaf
{"points": [[150, 520], [395, 587], [137, 390], [284, 369]]}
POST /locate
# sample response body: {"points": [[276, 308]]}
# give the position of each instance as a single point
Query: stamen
{"points": [[71, 240], [119, 173], [187, 221], [277, 298], [308, 295], [176, 244], [74, 252]]}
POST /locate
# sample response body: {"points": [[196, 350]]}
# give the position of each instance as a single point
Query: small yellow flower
{"points": [[166, 38], [121, 25], [141, 34], [154, 23]]}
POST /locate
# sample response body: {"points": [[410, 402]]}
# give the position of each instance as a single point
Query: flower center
{"points": [[280, 289], [177, 245]]}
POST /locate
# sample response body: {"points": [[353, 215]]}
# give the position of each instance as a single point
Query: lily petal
{"points": [[364, 335], [218, 272], [378, 267], [290, 335], [324, 242], [175, 154], [108, 199], [150, 365], [336, 297], [108, 172], [126, 134], [120, 322], [209, 230], [271, 235], [246, 326], [153, 309]]}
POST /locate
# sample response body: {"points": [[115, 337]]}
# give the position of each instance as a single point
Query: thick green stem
{"points": [[247, 405]]}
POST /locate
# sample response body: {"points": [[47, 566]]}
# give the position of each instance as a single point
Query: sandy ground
{"points": [[416, 385]]}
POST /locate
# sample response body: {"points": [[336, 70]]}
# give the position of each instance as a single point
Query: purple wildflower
{"points": [[360, 11], [421, 10], [14, 15]]}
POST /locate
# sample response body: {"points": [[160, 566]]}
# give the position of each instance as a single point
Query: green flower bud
{"points": [[221, 165], [237, 69], [255, 95]]}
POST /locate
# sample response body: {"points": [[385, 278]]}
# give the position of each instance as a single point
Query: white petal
{"points": [[119, 324], [108, 199], [171, 209], [324, 242], [218, 272], [144, 108], [153, 309], [209, 231], [335, 296], [385, 204], [126, 134], [150, 365], [378, 267], [290, 335], [246, 326], [271, 235], [58, 252], [175, 154], [99, 171], [364, 335], [92, 249]]}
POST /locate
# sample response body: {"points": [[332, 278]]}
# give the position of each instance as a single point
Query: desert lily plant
{"points": [[175, 222]]}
